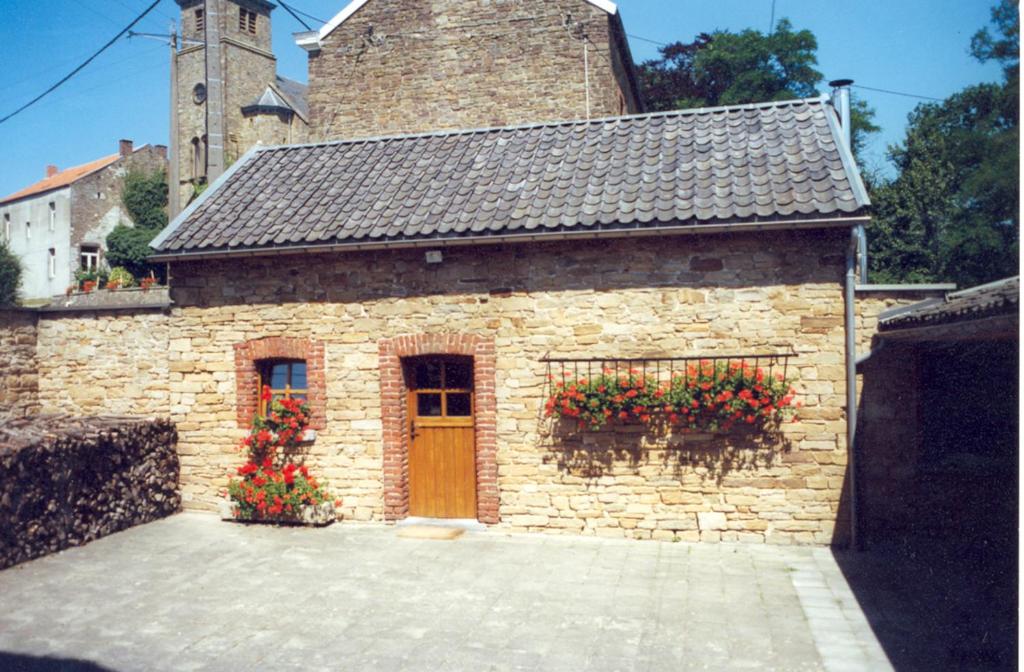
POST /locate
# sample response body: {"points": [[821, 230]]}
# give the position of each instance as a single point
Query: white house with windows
{"points": [[60, 224]]}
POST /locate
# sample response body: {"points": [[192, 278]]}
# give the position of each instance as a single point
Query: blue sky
{"points": [[916, 46]]}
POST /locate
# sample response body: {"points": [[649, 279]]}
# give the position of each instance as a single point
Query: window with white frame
{"points": [[52, 261], [7, 226], [28, 230], [89, 257], [53, 216]]}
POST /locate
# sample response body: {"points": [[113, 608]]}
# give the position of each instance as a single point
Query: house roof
{"points": [[764, 164], [62, 179], [994, 299], [355, 5], [283, 95]]}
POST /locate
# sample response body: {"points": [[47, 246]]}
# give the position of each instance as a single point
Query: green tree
{"points": [[726, 68], [145, 198], [952, 213], [10, 276]]}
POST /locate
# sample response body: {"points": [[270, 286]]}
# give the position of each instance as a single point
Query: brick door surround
{"points": [[394, 416]]}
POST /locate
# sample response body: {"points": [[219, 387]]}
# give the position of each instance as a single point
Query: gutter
{"points": [[778, 225]]}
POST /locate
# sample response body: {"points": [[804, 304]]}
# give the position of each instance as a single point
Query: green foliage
{"points": [[145, 199], [128, 247], [725, 68], [120, 277], [98, 276], [10, 276], [1006, 47], [953, 211]]}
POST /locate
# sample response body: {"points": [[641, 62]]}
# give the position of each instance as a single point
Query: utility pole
{"points": [[173, 167]]}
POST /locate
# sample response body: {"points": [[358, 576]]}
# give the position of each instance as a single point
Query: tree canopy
{"points": [[952, 213], [145, 198], [726, 68], [10, 276]]}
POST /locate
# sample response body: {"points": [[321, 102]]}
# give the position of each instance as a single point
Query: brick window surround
{"points": [[249, 354], [394, 417]]}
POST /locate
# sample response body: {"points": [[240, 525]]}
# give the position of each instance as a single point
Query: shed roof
{"points": [[766, 163], [994, 299]]}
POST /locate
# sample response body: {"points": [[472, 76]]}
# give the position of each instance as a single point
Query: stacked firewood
{"points": [[67, 481]]}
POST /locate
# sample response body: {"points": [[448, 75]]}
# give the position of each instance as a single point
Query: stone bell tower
{"points": [[224, 70]]}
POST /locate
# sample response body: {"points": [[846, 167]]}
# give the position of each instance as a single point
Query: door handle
{"points": [[412, 430]]}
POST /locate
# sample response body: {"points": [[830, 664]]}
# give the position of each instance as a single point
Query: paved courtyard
{"points": [[193, 593]]}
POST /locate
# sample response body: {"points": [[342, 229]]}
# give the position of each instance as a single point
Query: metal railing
{"points": [[664, 369]]}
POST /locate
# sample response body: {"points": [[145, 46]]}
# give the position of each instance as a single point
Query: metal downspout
{"points": [[851, 380]]}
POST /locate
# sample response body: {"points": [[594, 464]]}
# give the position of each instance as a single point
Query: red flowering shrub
{"points": [[88, 285], [146, 283], [707, 397], [271, 484]]}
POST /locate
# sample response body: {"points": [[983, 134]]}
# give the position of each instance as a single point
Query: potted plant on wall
{"points": [[272, 486]]}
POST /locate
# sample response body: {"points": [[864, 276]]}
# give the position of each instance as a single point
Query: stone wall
{"points": [[66, 482], [104, 362], [716, 294], [403, 66], [19, 375]]}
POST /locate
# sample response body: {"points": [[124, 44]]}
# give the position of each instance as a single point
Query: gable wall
{"points": [[456, 64]]}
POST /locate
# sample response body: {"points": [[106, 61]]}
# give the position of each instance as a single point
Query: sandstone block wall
{"points": [[66, 482], [19, 373], [104, 362], [626, 298], [404, 66]]}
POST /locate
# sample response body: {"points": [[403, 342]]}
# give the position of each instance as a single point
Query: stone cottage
{"points": [[395, 272], [60, 224]]}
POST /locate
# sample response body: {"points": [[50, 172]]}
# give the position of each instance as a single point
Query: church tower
{"points": [[229, 96]]}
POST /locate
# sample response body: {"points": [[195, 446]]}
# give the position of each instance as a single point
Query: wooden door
{"points": [[442, 454]]}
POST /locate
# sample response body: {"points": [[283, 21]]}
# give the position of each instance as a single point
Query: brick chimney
{"points": [[161, 150], [124, 147], [51, 171]]}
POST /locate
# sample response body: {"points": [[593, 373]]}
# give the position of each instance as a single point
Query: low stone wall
{"points": [[19, 372], [67, 481]]}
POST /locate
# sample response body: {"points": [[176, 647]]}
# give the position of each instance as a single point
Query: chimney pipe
{"points": [[841, 101], [124, 147], [51, 170]]}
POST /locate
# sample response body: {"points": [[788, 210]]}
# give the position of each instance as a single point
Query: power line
{"points": [[293, 11], [645, 39], [897, 93], [296, 16], [83, 64]]}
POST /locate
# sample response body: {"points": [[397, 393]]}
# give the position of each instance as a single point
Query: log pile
{"points": [[67, 481]]}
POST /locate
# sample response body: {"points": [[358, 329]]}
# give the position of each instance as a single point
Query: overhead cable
{"points": [[83, 64]]}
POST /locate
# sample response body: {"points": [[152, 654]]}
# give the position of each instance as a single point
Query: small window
{"points": [[53, 216], [28, 230], [89, 258], [286, 379], [247, 21], [52, 260], [7, 227], [200, 21]]}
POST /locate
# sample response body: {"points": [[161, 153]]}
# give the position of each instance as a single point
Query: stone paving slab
{"points": [[193, 593]]}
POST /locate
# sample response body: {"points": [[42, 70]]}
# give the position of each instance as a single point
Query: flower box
{"points": [[312, 515]]}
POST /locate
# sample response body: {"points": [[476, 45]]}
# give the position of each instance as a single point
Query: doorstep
{"points": [[467, 524]]}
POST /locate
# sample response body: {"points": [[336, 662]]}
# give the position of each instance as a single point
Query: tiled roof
{"points": [[752, 163], [994, 299], [62, 179], [295, 94]]}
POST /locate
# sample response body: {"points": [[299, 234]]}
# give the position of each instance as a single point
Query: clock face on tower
{"points": [[199, 94]]}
